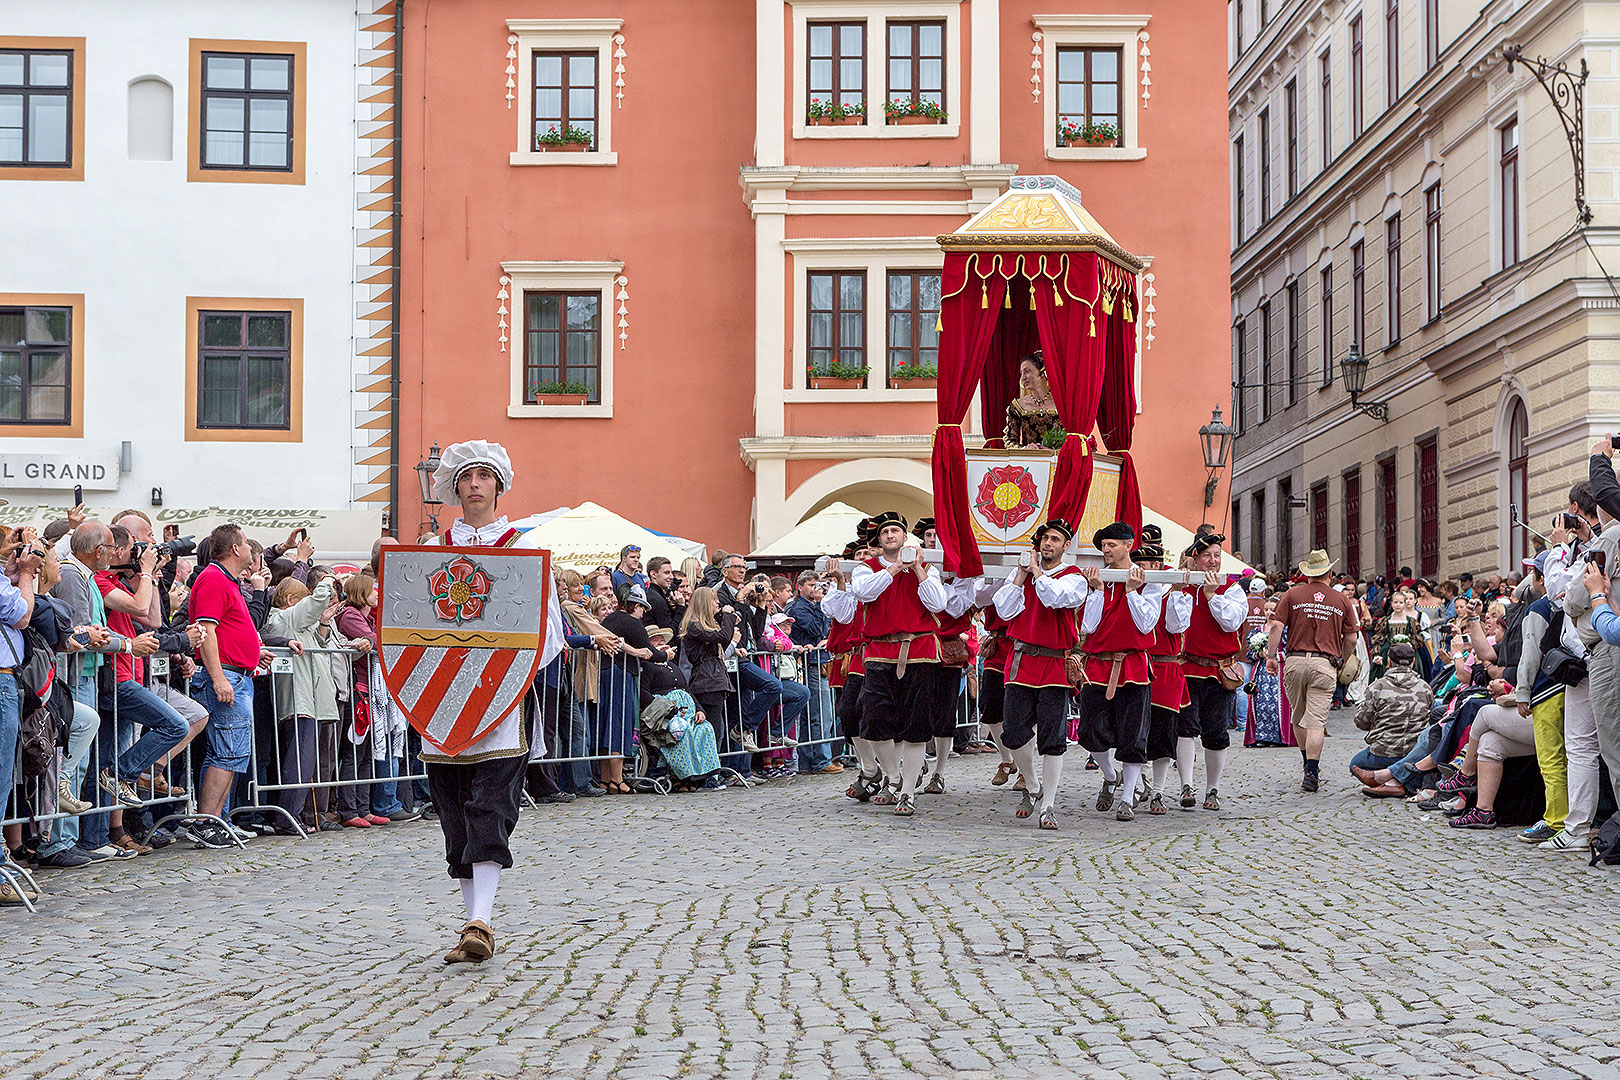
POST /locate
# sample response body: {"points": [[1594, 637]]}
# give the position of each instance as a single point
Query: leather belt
{"points": [[5, 671], [1117, 659], [1211, 661], [1308, 652], [1174, 658], [238, 668], [1021, 649], [905, 641]]}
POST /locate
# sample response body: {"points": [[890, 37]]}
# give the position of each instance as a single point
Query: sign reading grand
{"points": [[58, 472], [462, 630]]}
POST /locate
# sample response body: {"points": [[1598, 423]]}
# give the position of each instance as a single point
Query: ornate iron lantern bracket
{"points": [[1568, 93]]}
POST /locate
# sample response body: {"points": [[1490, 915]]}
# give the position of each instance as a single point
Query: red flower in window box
{"points": [[1007, 496], [459, 589]]}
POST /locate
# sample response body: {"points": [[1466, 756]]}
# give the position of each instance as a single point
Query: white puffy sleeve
{"points": [[868, 584], [931, 591], [839, 604], [1009, 600], [1091, 614], [1229, 608], [1068, 591], [1178, 611], [1146, 604]]}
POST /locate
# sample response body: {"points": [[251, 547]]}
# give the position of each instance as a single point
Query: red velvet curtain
{"points": [[1116, 413], [1128, 506], [1016, 337], [969, 313], [1075, 359]]}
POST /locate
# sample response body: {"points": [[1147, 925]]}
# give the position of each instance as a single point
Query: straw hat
{"points": [[1316, 564]]}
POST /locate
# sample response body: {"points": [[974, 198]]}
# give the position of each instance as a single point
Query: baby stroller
{"points": [[671, 734]]}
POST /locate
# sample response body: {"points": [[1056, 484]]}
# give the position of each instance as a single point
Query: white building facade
{"points": [[197, 263]]}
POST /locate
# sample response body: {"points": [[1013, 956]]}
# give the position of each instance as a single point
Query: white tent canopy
{"points": [[822, 533], [588, 536], [1178, 538]]}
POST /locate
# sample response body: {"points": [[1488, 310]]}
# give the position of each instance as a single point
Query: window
{"points": [[565, 98], [1326, 328], [1518, 469], [1238, 24], [556, 88], [913, 322], [1238, 186], [244, 369], [1292, 346], [1358, 85], [1319, 516], [247, 112], [1392, 52], [562, 350], [1392, 517], [1327, 107], [1239, 413], [1431, 250], [1257, 528], [1237, 526], [1285, 523], [1265, 360], [1265, 165], [1358, 296], [1508, 167], [247, 107], [1088, 86], [837, 324], [36, 109], [1431, 33], [36, 350], [1392, 278], [837, 68], [1352, 523], [917, 64], [1428, 474], [1291, 118]]}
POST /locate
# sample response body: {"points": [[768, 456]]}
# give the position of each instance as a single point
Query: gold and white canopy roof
{"points": [[1038, 213]]}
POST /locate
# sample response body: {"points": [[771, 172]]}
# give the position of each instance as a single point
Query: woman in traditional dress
{"points": [[1031, 415], [1269, 721], [1403, 624]]}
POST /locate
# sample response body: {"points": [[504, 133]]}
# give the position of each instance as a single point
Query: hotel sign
{"points": [[58, 472]]}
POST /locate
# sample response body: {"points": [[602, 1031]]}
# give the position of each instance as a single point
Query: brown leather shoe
{"points": [[129, 843], [158, 786], [477, 944], [1388, 790], [1364, 775]]}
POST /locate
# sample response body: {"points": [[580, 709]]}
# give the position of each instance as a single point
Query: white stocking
{"points": [[1051, 773], [1024, 758], [467, 896], [1161, 773], [994, 732], [867, 753], [1185, 749], [1132, 773], [1105, 762], [942, 750], [913, 760], [1214, 761], [486, 878], [888, 755]]}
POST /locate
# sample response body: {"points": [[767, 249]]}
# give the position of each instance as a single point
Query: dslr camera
{"points": [[167, 551]]}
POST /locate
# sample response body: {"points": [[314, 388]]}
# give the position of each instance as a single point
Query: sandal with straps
{"points": [[1048, 819]]}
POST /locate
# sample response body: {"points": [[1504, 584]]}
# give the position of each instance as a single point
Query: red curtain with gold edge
{"points": [[969, 310], [1116, 414], [1075, 348]]}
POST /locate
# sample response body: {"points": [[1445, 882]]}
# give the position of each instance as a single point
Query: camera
{"points": [[167, 551]]}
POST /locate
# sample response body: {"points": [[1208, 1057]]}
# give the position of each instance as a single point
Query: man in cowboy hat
{"points": [[1322, 628], [1038, 602], [1118, 621], [901, 602], [1168, 695], [476, 790], [1213, 642]]}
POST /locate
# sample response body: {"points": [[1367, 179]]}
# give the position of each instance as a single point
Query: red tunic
{"points": [[899, 610], [995, 628], [1117, 633], [844, 642], [1047, 627], [1169, 690], [1206, 638]]}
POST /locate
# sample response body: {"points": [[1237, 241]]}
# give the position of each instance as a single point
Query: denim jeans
{"points": [[1240, 702], [1370, 761], [10, 720], [385, 797], [573, 776], [1403, 770], [762, 691], [815, 751], [164, 728]]}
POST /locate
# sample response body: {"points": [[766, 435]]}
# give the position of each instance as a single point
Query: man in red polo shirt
{"points": [[230, 651]]}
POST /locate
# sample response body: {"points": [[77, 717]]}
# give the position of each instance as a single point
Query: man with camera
{"points": [[810, 629], [760, 690]]}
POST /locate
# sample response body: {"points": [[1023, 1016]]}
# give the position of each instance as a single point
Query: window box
{"points": [[558, 399], [836, 121], [828, 382], [903, 120], [561, 148], [928, 383]]}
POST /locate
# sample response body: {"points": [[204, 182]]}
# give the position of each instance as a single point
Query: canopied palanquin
{"points": [[1035, 270]]}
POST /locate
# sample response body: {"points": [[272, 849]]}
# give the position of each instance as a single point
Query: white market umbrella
{"points": [[1177, 538], [823, 533], [588, 536]]}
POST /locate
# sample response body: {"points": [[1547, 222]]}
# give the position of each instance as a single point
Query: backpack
{"points": [[1606, 843], [38, 719], [1558, 663]]}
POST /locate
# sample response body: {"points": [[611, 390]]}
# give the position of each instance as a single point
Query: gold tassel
{"points": [[1006, 297], [1094, 323], [1032, 296], [1057, 295], [1128, 316], [939, 323], [984, 297], [1108, 303]]}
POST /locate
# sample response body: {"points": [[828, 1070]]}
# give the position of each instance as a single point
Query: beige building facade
{"points": [[1401, 190]]}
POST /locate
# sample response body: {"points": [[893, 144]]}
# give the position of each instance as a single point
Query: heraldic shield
{"points": [[461, 632]]}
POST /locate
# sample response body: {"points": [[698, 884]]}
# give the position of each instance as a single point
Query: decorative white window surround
{"points": [[603, 277], [1117, 30], [877, 256], [550, 35], [876, 16]]}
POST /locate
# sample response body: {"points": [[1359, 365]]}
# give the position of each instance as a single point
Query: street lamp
{"points": [[1353, 369], [1216, 438], [424, 475]]}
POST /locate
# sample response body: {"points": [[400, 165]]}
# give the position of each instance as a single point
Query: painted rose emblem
{"points": [[459, 589], [1007, 496]]}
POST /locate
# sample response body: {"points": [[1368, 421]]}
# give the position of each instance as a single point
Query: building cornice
{"points": [[1565, 300], [772, 182], [837, 447]]}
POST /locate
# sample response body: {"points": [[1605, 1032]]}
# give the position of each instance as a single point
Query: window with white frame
{"points": [[876, 70], [1091, 95], [563, 73], [561, 340]]}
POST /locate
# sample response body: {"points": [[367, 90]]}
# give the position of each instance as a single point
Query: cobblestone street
{"points": [[788, 932]]}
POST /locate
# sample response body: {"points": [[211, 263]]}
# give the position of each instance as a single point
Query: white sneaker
{"points": [[65, 799], [112, 851], [241, 834], [1564, 842]]}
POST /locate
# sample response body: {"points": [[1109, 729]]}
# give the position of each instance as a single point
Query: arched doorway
{"points": [[1518, 479]]}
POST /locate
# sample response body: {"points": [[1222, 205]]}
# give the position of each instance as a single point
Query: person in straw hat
{"points": [[1321, 625]]}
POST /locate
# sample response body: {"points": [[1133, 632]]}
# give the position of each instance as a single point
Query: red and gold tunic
{"points": [[898, 610], [1047, 628], [844, 641], [1207, 639], [1117, 633]]}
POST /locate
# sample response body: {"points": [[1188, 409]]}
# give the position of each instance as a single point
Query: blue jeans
{"points": [[165, 728], [1370, 761], [572, 731], [65, 831], [230, 727], [1403, 771], [385, 797], [762, 691], [815, 751], [1240, 700], [10, 720]]}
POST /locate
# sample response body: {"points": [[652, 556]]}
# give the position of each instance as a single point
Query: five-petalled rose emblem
{"points": [[459, 589], [1007, 496]]}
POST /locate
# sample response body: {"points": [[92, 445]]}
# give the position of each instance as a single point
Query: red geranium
{"points": [[459, 589], [1007, 496]]}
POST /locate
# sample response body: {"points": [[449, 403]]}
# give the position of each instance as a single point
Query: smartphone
{"points": [[1599, 559], [1465, 640], [908, 554], [83, 638], [78, 494]]}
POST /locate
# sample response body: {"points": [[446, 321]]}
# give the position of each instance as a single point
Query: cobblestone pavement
{"points": [[789, 933]]}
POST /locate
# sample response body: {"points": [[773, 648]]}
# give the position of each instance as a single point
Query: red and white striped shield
{"points": [[461, 633]]}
